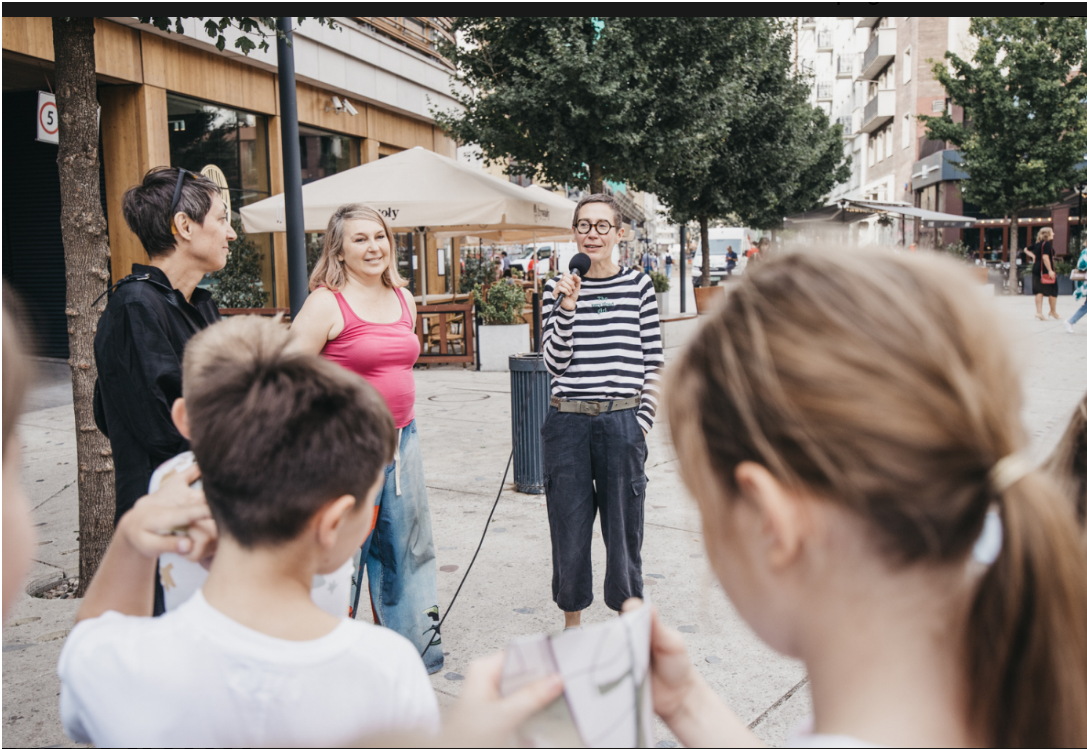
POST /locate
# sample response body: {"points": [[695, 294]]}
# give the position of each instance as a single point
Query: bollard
{"points": [[530, 394]]}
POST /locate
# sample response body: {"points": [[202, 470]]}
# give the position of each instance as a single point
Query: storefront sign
{"points": [[215, 174], [48, 121]]}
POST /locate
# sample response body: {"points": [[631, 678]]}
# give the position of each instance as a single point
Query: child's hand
{"points": [[483, 717], [174, 519], [673, 676]]}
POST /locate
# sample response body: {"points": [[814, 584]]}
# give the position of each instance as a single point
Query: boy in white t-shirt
{"points": [[290, 450]]}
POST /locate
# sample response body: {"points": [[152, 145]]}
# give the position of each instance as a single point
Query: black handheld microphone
{"points": [[579, 266]]}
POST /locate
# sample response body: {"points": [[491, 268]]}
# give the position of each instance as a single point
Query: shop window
{"points": [[323, 154], [237, 142]]}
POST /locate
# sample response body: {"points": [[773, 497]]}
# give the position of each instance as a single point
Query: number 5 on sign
{"points": [[48, 121]]}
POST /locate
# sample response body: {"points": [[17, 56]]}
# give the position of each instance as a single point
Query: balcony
{"points": [[865, 22], [824, 91], [807, 20], [846, 121], [879, 54], [420, 34], [824, 40], [879, 111], [845, 66]]}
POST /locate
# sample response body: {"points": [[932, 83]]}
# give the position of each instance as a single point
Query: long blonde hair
{"points": [[875, 383], [330, 269]]}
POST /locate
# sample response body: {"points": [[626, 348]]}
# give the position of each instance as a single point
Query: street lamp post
{"points": [[297, 278]]}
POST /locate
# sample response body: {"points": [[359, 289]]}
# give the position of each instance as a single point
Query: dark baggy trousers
{"points": [[594, 463]]}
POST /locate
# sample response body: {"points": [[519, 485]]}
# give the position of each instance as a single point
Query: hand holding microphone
{"points": [[570, 284]]}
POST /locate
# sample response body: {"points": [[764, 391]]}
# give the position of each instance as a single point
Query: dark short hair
{"points": [[599, 197], [146, 206], [278, 435]]}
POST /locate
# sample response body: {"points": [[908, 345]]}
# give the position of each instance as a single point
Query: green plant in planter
{"points": [[1064, 267], [958, 249], [239, 285], [477, 272], [503, 306], [661, 284], [517, 272]]}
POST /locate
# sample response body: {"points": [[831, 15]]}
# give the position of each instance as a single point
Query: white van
{"points": [[551, 255], [735, 238]]}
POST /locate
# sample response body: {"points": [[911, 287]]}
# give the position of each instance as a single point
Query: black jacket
{"points": [[138, 349]]}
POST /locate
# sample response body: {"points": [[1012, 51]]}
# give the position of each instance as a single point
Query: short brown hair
{"points": [[873, 382], [17, 366], [146, 206], [330, 270], [599, 197], [277, 435]]}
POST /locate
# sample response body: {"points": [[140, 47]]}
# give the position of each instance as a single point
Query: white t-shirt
{"points": [[195, 677]]}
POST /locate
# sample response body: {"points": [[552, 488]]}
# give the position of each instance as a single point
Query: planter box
{"points": [[705, 297], [663, 307], [497, 343], [1065, 286], [1028, 285]]}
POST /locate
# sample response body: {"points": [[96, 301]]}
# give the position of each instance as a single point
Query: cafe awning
{"points": [[848, 211]]}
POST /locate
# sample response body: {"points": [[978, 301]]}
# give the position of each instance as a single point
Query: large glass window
{"points": [[323, 154], [236, 142]]}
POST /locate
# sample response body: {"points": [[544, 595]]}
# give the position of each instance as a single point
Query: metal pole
{"points": [[297, 278], [683, 269]]}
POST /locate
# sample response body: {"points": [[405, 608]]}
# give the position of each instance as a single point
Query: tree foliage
{"points": [[1024, 98], [578, 100], [778, 155], [239, 285], [260, 27]]}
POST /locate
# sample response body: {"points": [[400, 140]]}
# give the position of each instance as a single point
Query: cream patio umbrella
{"points": [[419, 190]]}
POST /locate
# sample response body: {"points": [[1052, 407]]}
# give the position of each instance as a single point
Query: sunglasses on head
{"points": [[181, 172]]}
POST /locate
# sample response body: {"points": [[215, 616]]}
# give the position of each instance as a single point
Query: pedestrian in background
{"points": [[668, 265], [359, 316], [1043, 275], [1079, 275]]}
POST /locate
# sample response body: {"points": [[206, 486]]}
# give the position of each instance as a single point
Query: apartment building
{"points": [[873, 75]]}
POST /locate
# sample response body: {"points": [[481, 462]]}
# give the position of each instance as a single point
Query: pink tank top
{"points": [[383, 354]]}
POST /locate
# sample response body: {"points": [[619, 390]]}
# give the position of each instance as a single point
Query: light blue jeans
{"points": [[1079, 313], [399, 555]]}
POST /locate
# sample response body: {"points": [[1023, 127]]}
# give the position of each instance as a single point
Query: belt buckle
{"points": [[594, 408]]}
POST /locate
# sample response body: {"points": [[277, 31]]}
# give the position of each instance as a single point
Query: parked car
{"points": [[546, 254]]}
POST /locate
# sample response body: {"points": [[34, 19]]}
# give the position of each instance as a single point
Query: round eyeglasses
{"points": [[585, 226]]}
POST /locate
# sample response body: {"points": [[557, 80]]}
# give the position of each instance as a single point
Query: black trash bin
{"points": [[530, 394]]}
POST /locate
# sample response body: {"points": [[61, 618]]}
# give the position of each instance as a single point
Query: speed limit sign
{"points": [[48, 121]]}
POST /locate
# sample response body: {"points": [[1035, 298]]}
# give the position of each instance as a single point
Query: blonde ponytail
{"points": [[1026, 640]]}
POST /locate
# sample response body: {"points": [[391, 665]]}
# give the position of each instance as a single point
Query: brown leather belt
{"points": [[593, 408]]}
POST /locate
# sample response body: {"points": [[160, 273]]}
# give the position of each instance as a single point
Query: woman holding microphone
{"points": [[359, 316]]}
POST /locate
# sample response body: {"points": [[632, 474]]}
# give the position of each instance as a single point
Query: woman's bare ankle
{"points": [[573, 618]]}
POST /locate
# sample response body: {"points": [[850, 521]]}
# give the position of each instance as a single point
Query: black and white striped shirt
{"points": [[609, 348]]}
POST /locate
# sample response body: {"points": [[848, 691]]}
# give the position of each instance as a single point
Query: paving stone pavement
{"points": [[464, 423]]}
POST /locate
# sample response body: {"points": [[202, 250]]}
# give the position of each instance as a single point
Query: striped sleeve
{"points": [[557, 339], [652, 352]]}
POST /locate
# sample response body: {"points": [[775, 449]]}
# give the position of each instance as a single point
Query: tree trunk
{"points": [[596, 179], [704, 227], [86, 264], [1013, 251]]}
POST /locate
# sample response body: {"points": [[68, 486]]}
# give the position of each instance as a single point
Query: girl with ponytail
{"points": [[850, 429]]}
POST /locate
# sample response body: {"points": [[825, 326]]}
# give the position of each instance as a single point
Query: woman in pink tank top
{"points": [[359, 316]]}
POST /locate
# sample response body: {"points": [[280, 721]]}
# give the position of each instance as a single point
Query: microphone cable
{"points": [[437, 628]]}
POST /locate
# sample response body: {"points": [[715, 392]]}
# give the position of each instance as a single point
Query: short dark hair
{"points": [[146, 206], [278, 435], [599, 197]]}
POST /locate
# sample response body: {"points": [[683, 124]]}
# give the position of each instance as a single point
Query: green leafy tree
{"points": [[1024, 99], [581, 100], [779, 155], [86, 251], [478, 272], [504, 304], [239, 284]]}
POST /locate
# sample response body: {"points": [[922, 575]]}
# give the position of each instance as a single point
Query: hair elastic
{"points": [[991, 541], [1008, 471]]}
